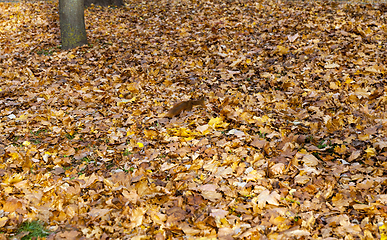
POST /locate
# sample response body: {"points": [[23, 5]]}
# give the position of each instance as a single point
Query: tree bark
{"points": [[72, 23]]}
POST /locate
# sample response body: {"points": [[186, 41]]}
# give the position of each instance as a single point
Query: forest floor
{"points": [[292, 142]]}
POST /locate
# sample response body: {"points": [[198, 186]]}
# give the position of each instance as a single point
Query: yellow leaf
{"points": [[3, 221], [217, 123], [189, 138], [13, 179], [14, 155], [214, 121], [150, 134], [382, 229], [129, 133], [26, 143], [340, 149], [370, 152], [262, 119], [132, 87], [140, 145], [303, 151], [22, 117], [182, 132], [368, 31], [8, 190], [348, 80], [282, 50], [224, 222]]}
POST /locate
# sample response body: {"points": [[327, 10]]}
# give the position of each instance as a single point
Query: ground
{"points": [[291, 143]]}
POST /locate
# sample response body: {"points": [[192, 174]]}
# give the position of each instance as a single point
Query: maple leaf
{"points": [[266, 197]]}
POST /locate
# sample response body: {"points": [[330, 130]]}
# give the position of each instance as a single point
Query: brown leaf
{"points": [[258, 143]]}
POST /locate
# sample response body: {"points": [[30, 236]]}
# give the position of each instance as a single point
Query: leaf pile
{"points": [[292, 143]]}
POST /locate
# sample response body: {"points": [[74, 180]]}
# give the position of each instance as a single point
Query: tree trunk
{"points": [[104, 3], [72, 23]]}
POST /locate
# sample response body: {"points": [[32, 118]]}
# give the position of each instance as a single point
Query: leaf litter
{"points": [[291, 145]]}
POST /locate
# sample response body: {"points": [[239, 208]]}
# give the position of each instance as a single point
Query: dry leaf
{"points": [[310, 160]]}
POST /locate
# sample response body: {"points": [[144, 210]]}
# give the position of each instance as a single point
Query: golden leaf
{"points": [[282, 50]]}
